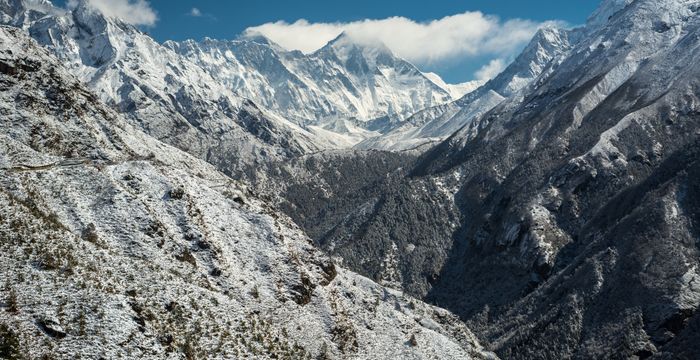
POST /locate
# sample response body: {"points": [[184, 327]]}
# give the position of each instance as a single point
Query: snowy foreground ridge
{"points": [[116, 245]]}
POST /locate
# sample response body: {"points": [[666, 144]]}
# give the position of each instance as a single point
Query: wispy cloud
{"points": [[137, 12], [196, 12], [490, 70], [469, 34]]}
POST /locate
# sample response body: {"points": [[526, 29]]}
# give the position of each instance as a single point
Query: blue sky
{"points": [[228, 19]]}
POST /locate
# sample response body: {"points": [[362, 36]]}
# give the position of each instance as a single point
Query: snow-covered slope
{"points": [[437, 123], [158, 90], [432, 125], [605, 11], [346, 81], [456, 90], [116, 245]]}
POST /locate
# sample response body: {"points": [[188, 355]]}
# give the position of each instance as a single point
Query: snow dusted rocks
{"points": [[192, 94], [117, 245]]}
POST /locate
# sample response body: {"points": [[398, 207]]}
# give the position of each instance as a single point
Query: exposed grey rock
{"points": [[51, 327]]}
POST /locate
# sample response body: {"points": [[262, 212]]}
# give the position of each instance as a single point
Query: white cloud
{"points": [[469, 34], [136, 12], [196, 12], [490, 70]]}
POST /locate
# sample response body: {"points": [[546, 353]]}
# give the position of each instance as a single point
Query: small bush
{"points": [[177, 193], [255, 292], [11, 302], [186, 256], [9, 344], [190, 348], [90, 234], [412, 341]]}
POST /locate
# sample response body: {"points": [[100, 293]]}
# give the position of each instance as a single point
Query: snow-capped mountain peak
{"points": [[19, 12], [257, 38], [351, 49], [348, 80], [352, 87], [162, 92]]}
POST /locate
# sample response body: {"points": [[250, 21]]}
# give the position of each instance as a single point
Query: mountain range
{"points": [[345, 90], [230, 198]]}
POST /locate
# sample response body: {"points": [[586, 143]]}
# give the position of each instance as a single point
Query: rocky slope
{"points": [[563, 222], [319, 191], [117, 245]]}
